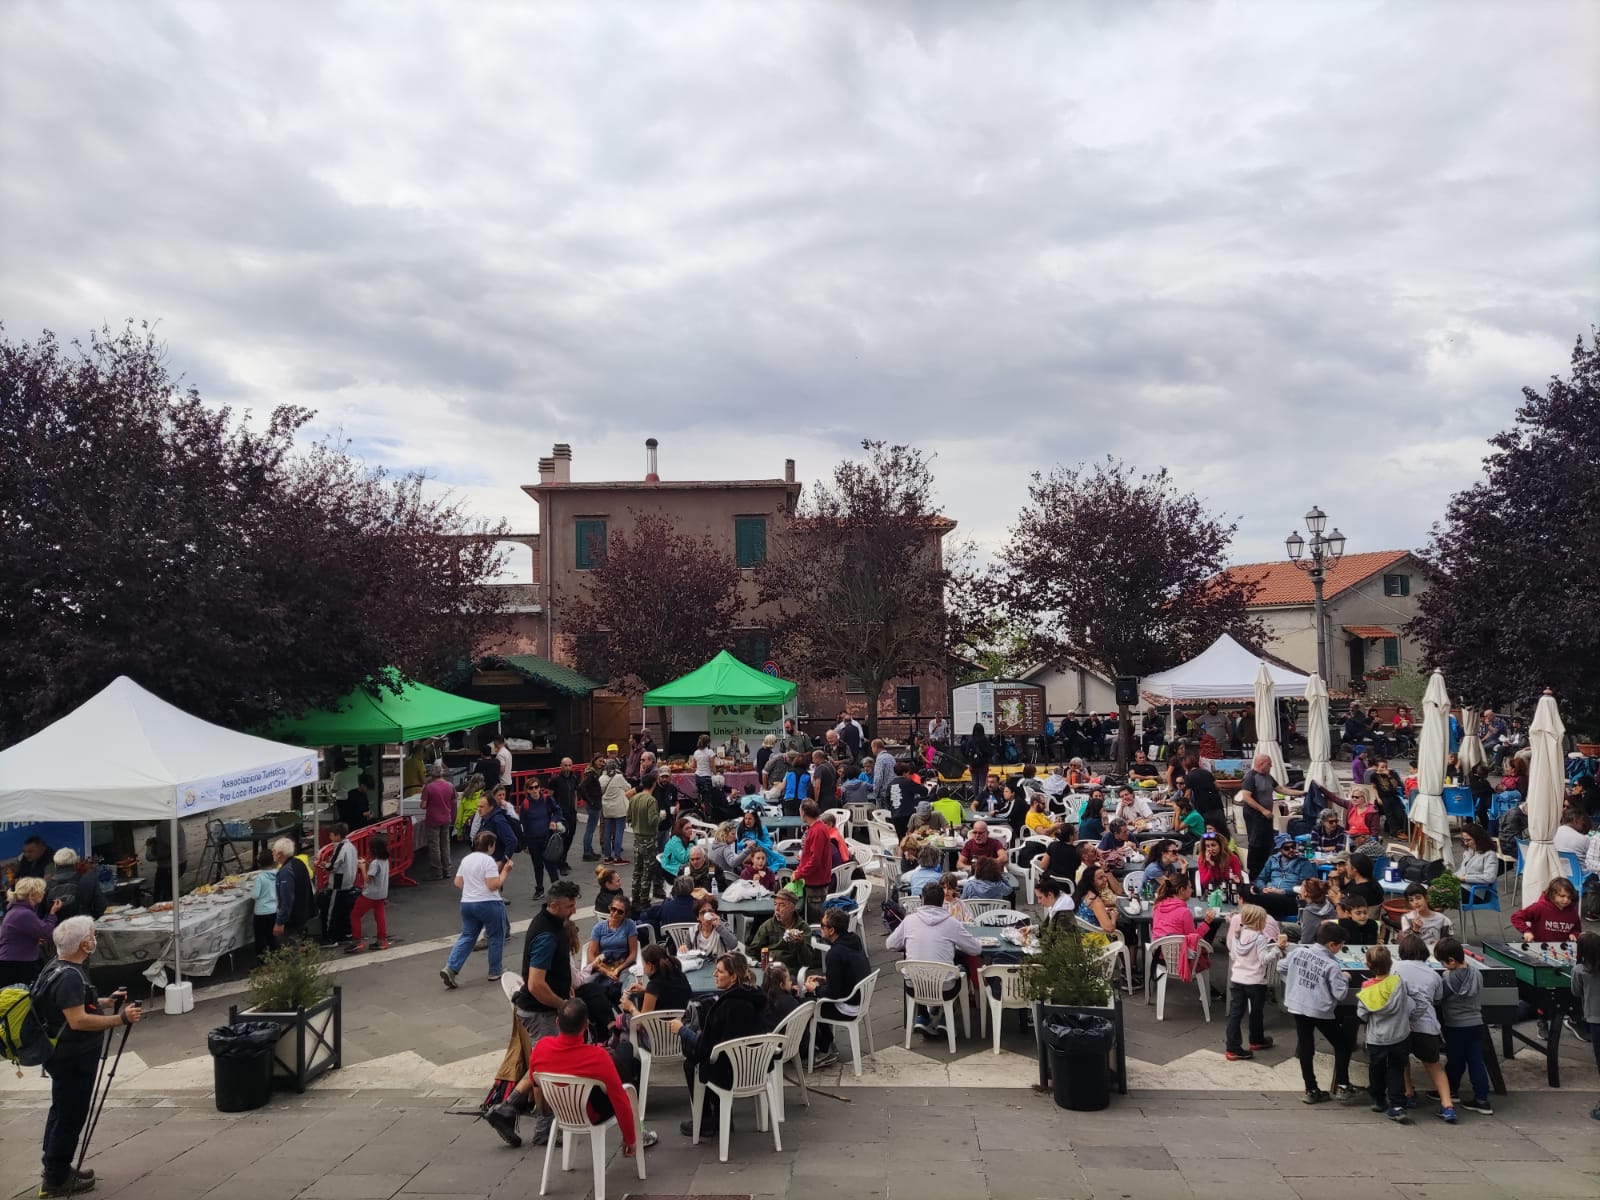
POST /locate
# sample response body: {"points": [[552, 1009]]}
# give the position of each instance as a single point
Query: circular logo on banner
{"points": [[189, 798], [769, 668]]}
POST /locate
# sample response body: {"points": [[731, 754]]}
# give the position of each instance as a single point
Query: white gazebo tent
{"points": [[126, 755], [1546, 788], [1225, 670]]}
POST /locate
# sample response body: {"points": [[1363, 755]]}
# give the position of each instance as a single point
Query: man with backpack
{"points": [[65, 1002], [78, 891], [297, 899]]}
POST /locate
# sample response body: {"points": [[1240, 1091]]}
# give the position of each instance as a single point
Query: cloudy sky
{"points": [[1299, 252]]}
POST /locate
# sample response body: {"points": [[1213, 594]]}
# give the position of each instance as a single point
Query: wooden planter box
{"points": [[1119, 1051], [311, 1043]]}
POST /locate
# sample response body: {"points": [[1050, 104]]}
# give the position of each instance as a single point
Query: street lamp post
{"points": [[1325, 551]]}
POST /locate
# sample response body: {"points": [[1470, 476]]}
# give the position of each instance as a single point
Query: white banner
{"points": [[751, 722], [207, 794]]}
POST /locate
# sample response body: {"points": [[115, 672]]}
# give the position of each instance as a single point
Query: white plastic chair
{"points": [[841, 818], [1028, 876], [752, 1060], [1010, 977], [977, 909], [679, 933], [861, 997], [843, 874], [1001, 916], [1172, 944], [789, 846], [664, 1045], [910, 904], [568, 1099], [1113, 956], [792, 1029], [860, 816], [927, 982]]}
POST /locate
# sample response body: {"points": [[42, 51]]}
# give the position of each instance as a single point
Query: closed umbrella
{"points": [[1546, 786], [1318, 743], [1429, 825], [1471, 752]]}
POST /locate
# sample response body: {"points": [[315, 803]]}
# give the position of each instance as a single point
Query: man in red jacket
{"points": [[566, 1053], [815, 868]]}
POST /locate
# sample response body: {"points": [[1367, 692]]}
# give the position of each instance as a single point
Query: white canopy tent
{"points": [[126, 755], [1223, 671], [1547, 779]]}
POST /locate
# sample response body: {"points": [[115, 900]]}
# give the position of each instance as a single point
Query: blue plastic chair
{"points": [[1458, 803], [1574, 868], [1469, 903]]}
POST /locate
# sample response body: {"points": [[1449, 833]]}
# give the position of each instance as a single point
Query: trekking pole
{"points": [[105, 1050], [97, 1100]]}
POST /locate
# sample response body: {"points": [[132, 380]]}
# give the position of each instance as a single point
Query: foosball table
{"points": [[1543, 973]]}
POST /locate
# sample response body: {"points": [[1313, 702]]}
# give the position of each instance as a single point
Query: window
{"points": [[750, 540], [753, 647], [1397, 585], [853, 684], [1391, 652], [591, 543]]}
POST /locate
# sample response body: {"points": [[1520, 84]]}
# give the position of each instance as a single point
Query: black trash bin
{"points": [[1079, 1045], [241, 1061]]}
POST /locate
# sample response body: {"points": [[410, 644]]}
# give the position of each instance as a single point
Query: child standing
{"points": [[265, 915], [1425, 986], [1313, 985], [1586, 987], [374, 876], [340, 896], [1384, 1005], [1461, 1019], [1250, 953]]}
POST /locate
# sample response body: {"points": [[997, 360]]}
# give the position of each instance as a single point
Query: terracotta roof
{"points": [[1369, 631], [1283, 583]]}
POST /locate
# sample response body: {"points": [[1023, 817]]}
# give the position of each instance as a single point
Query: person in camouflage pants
{"points": [[644, 816]]}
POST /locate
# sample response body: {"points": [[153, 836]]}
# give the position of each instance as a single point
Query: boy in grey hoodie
{"points": [[1313, 985], [1461, 1021], [1426, 989], [1385, 1005]]}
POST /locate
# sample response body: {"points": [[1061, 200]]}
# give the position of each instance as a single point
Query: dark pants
{"points": [[1305, 1031], [1463, 1049], [263, 925], [71, 1087], [569, 818], [1240, 997], [1256, 855], [336, 924], [814, 898], [1278, 904], [19, 972], [163, 880], [1386, 1079], [951, 991], [590, 824], [824, 1033], [536, 856]]}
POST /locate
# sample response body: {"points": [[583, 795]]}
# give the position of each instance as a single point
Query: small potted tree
{"points": [[292, 989], [1069, 974]]}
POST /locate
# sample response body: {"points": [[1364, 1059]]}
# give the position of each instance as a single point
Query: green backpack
{"points": [[24, 1040]]}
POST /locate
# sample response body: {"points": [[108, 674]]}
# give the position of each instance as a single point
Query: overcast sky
{"points": [[1300, 253]]}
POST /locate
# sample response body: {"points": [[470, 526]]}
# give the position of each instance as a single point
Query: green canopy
{"points": [[723, 680], [364, 719]]}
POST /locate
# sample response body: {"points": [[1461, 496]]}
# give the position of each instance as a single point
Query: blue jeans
{"points": [[591, 823], [487, 916], [611, 837], [1463, 1051]]}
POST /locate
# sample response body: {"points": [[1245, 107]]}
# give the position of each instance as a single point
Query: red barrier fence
{"points": [[402, 850]]}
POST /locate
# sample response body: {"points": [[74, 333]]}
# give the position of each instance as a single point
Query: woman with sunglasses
{"points": [[613, 945]]}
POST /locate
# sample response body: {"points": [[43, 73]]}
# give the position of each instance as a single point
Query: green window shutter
{"points": [[591, 544], [750, 540], [1391, 652]]}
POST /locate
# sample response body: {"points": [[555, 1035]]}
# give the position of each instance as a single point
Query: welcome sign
{"points": [[207, 794]]}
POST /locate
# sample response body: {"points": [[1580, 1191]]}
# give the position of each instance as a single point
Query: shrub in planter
{"points": [[1068, 976], [1444, 893], [292, 989]]}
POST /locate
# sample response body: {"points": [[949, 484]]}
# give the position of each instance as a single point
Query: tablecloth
{"points": [[210, 925]]}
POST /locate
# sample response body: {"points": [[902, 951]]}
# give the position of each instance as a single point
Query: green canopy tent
{"points": [[739, 700], [367, 718]]}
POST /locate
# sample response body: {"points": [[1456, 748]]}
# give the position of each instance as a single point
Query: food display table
{"points": [[212, 922], [684, 782]]}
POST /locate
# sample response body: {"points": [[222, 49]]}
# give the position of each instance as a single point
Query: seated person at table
{"points": [[1055, 898], [782, 998], [1171, 916], [952, 897], [739, 1010], [613, 945], [1327, 837], [1572, 835], [1315, 908], [1131, 808], [1190, 826], [930, 934], [1055, 783], [988, 882], [567, 1053], [990, 798], [674, 856], [1092, 827], [784, 935], [1284, 871], [1480, 865], [981, 845], [755, 870], [1422, 919], [930, 866], [1363, 820], [845, 966], [752, 832], [1036, 818], [1097, 904], [712, 934], [1078, 773], [677, 908], [664, 986], [1142, 767], [1356, 926], [1355, 879], [701, 871], [727, 857], [1164, 860], [1218, 865], [1060, 857], [1118, 842]]}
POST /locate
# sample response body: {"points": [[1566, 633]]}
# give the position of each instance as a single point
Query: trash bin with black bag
{"points": [[1078, 1045], [241, 1060]]}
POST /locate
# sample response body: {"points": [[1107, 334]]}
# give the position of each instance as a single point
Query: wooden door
{"points": [[608, 723]]}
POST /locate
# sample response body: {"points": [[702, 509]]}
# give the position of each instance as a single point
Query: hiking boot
{"points": [[73, 1187], [449, 977], [502, 1118]]}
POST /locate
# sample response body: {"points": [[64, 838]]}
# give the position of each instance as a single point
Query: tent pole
{"points": [[177, 940]]}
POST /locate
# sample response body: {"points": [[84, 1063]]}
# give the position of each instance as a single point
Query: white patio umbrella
{"points": [[1267, 724], [1428, 820], [1470, 753], [1321, 770], [1546, 785]]}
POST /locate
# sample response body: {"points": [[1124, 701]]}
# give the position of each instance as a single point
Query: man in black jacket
{"points": [[547, 974], [295, 900], [564, 787], [845, 966], [78, 891]]}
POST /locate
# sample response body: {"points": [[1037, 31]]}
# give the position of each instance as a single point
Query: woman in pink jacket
{"points": [[1171, 916]]}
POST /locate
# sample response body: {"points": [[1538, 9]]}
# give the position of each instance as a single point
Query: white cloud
{"points": [[1298, 253]]}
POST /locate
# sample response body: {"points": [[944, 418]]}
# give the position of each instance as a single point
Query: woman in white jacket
{"points": [[614, 796], [1480, 864]]}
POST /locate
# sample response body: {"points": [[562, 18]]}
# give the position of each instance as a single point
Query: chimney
{"points": [[547, 470], [561, 461], [650, 475], [788, 470]]}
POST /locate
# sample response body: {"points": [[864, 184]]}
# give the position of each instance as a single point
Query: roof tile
{"points": [[1283, 583]]}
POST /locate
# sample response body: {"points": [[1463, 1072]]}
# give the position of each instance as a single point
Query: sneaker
{"points": [[538, 893], [708, 1129], [650, 1138], [1379, 1108], [1447, 1115], [502, 1118], [1581, 1032], [449, 977], [1315, 1096], [494, 979], [72, 1187], [619, 862], [590, 856], [828, 1058], [1411, 1100], [1344, 1091], [921, 1025], [482, 943], [1542, 1027], [1237, 1055], [383, 945], [355, 947], [85, 1176], [1397, 1114], [1476, 1105], [1263, 1044]]}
